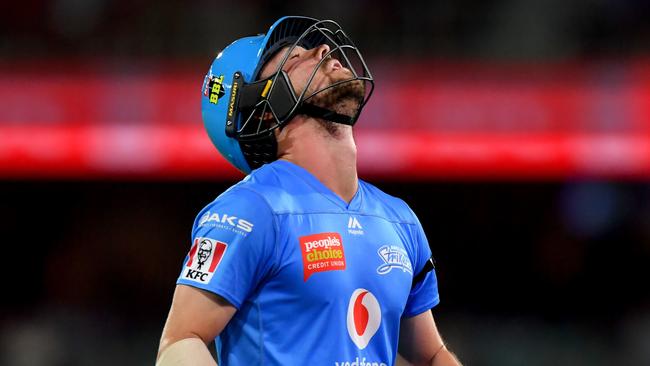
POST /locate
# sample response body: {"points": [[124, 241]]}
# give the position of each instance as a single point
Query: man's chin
{"points": [[344, 98], [347, 106]]}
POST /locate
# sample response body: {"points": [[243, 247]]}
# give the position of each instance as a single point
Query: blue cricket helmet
{"points": [[236, 106]]}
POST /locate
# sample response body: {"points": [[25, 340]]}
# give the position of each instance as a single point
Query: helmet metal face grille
{"points": [[288, 33], [280, 102]]}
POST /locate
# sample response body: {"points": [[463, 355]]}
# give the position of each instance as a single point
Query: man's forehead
{"points": [[284, 50]]}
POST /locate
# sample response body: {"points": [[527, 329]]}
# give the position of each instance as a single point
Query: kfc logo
{"points": [[205, 249], [364, 317], [204, 258]]}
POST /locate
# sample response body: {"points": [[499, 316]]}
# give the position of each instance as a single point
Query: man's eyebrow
{"points": [[287, 48], [279, 56]]}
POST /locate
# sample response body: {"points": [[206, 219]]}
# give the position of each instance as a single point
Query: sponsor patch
{"points": [[393, 257], [226, 222], [359, 361], [321, 253], [364, 317], [214, 88], [204, 258]]}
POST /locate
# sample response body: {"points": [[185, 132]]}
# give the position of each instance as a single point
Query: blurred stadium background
{"points": [[518, 130]]}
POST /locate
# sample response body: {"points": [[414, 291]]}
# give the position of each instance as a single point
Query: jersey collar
{"points": [[311, 180]]}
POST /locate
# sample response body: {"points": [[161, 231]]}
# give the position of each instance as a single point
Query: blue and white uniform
{"points": [[316, 281]]}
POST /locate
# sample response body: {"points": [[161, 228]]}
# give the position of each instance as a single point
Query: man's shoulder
{"points": [[263, 187], [240, 206], [381, 203]]}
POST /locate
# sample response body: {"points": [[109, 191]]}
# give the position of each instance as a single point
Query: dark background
{"points": [[531, 271]]}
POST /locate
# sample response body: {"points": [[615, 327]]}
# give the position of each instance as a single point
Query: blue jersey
{"points": [[316, 281]]}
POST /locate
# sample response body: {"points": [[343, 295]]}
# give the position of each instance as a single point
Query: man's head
{"points": [[302, 66], [323, 63]]}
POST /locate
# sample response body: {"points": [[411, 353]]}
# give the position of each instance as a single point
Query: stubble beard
{"points": [[345, 98]]}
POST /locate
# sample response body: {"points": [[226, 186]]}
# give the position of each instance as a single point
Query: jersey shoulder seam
{"points": [[276, 225]]}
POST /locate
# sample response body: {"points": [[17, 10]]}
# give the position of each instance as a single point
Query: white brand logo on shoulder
{"points": [[354, 227], [227, 222], [204, 257], [364, 317]]}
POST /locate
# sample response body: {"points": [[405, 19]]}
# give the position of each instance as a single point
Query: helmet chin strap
{"points": [[326, 114]]}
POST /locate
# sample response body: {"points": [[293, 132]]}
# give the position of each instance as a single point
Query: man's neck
{"points": [[331, 159]]}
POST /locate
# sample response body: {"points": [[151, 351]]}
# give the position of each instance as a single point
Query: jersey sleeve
{"points": [[424, 294], [233, 246]]}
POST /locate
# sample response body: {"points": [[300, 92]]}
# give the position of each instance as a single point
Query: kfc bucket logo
{"points": [[204, 258], [364, 317]]}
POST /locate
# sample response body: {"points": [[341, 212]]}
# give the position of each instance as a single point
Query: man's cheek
{"points": [[316, 83]]}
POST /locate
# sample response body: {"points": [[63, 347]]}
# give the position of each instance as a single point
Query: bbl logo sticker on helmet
{"points": [[364, 317], [214, 88]]}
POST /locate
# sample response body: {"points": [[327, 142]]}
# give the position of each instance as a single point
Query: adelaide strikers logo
{"points": [[204, 257], [393, 257], [364, 317]]}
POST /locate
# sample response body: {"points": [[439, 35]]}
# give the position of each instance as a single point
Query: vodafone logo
{"points": [[364, 317]]}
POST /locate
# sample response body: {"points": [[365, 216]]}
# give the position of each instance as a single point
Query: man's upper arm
{"points": [[233, 246], [195, 313], [231, 252], [423, 294], [421, 344], [419, 338]]}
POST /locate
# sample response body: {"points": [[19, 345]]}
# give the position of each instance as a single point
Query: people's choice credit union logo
{"points": [[364, 317], [321, 253]]}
